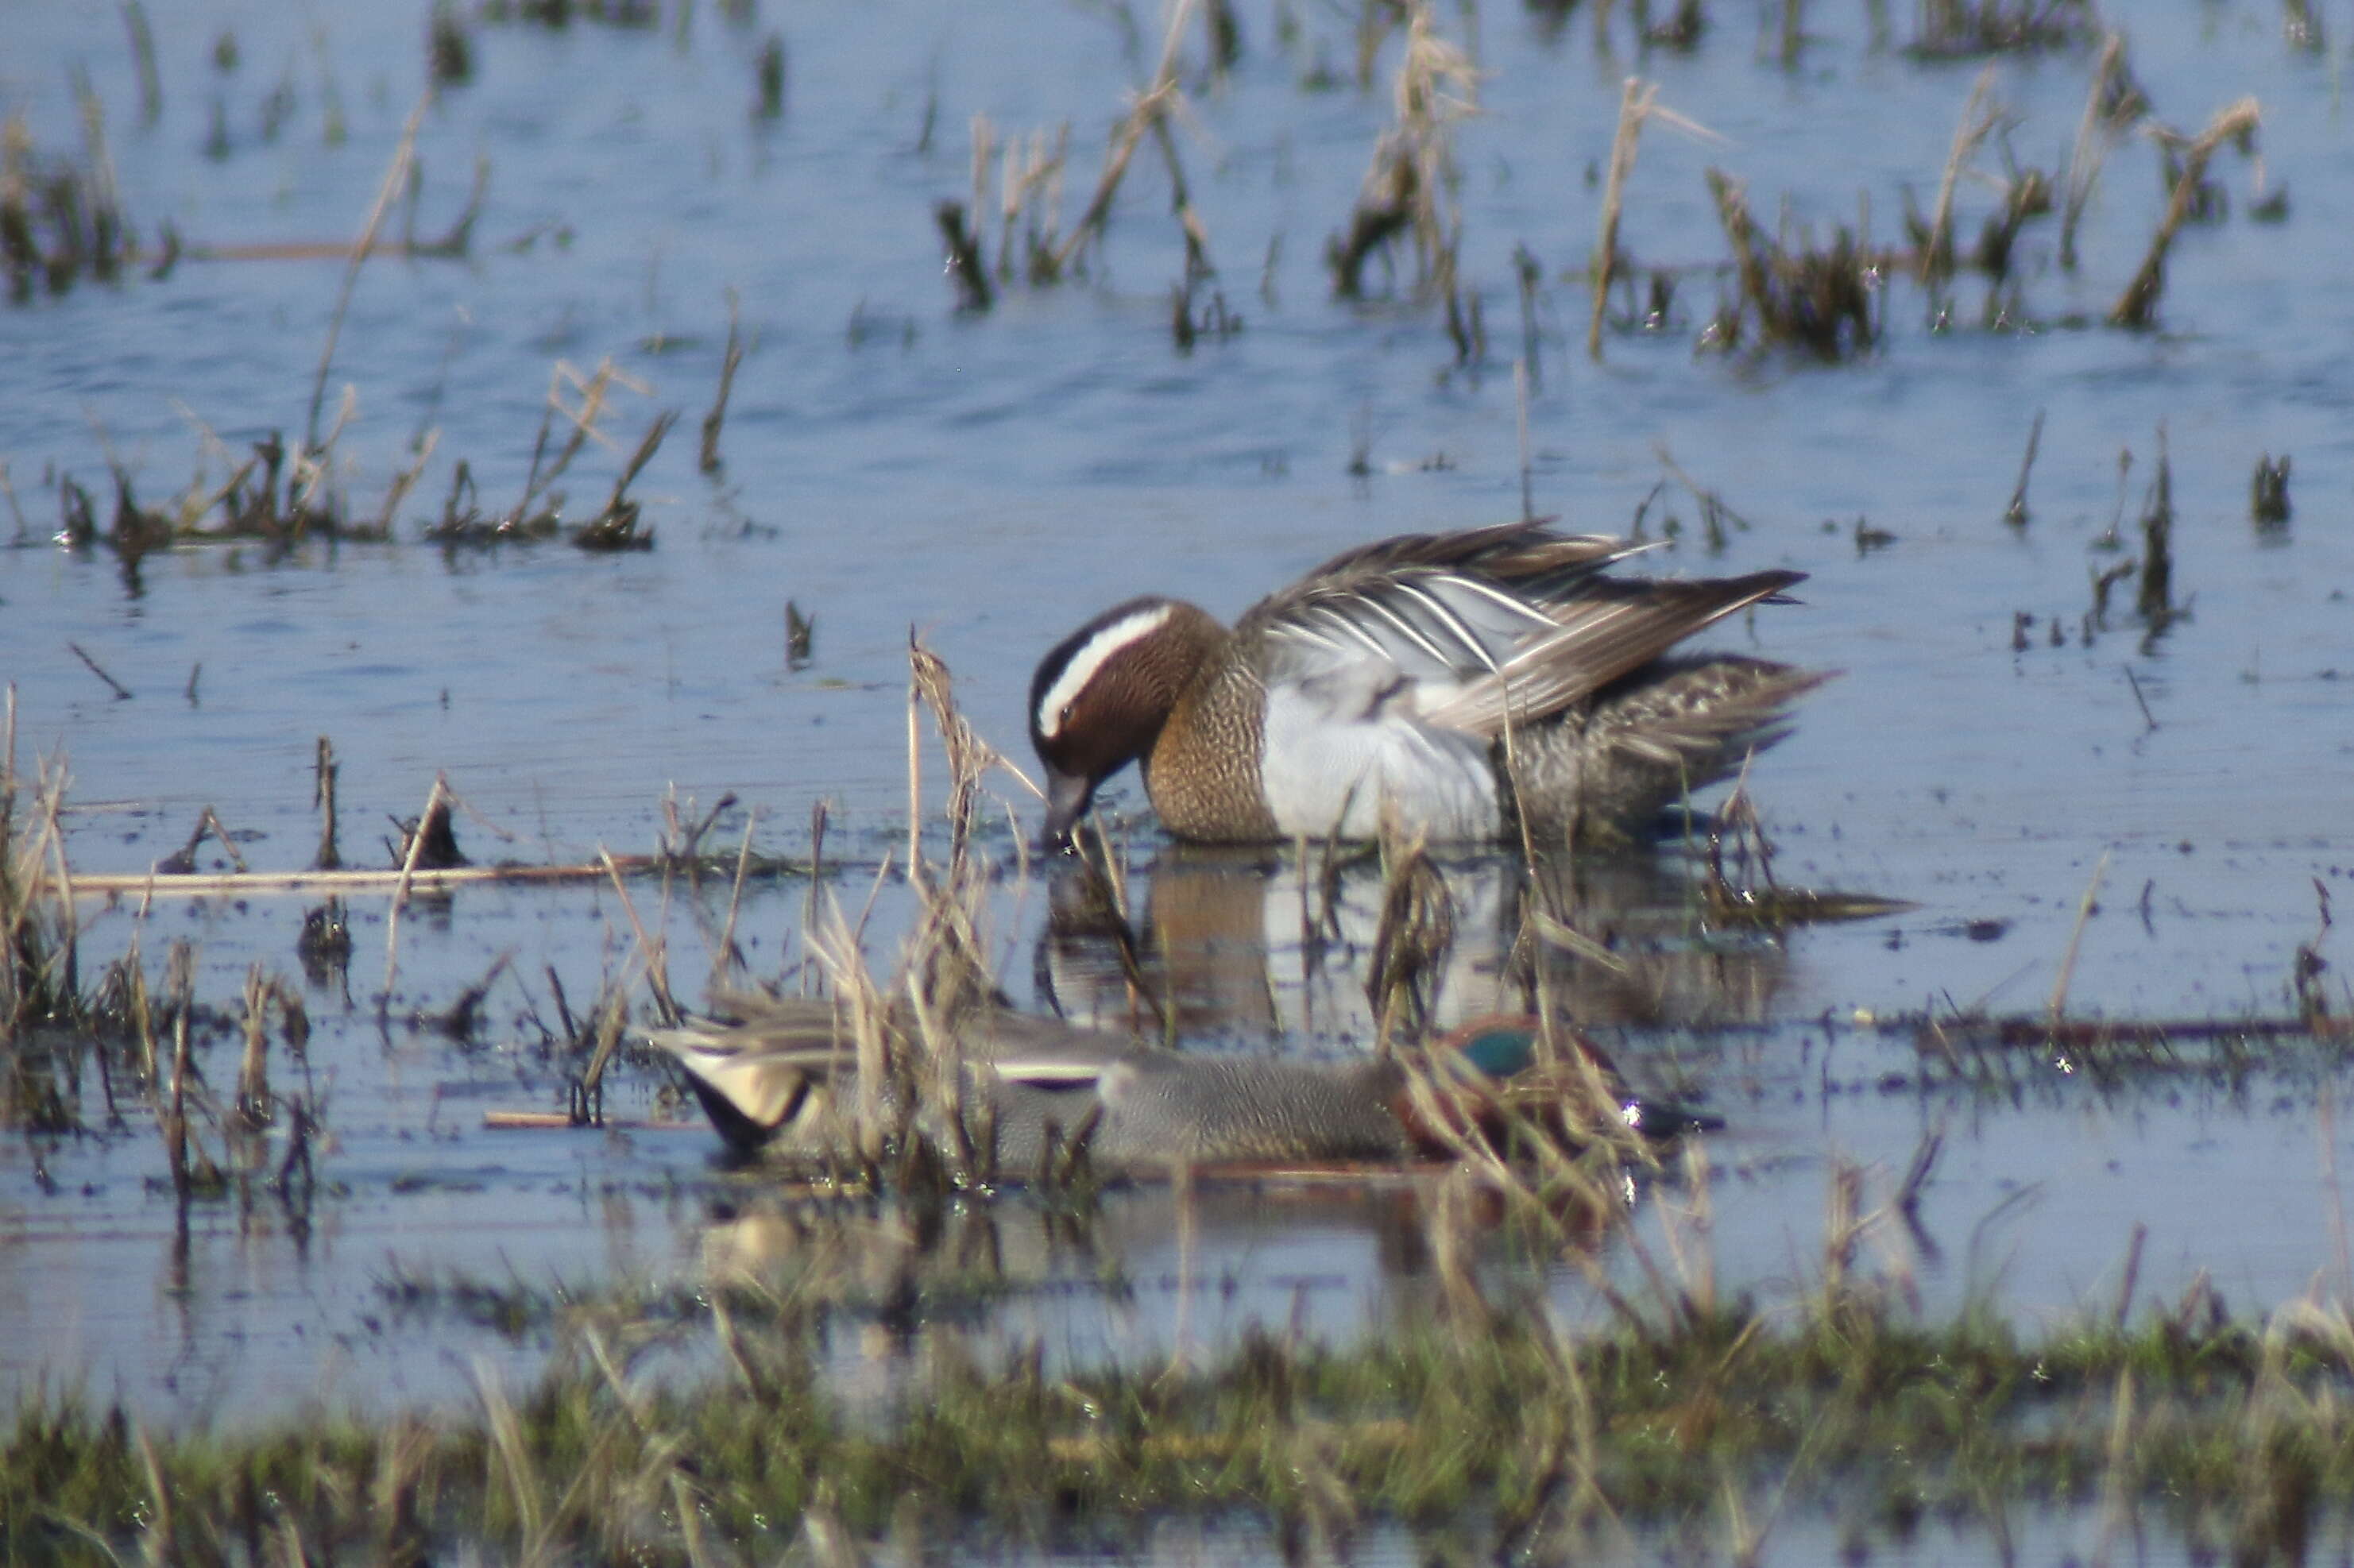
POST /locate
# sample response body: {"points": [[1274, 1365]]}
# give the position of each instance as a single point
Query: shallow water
{"points": [[991, 480]]}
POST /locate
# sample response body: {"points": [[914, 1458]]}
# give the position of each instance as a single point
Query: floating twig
{"points": [[122, 692]]}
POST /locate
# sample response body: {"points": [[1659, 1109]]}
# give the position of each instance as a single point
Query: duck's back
{"points": [[1160, 1111]]}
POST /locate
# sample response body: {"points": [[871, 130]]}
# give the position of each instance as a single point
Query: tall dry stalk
{"points": [[2137, 305], [1162, 99], [1410, 187], [1637, 104], [1980, 115], [2111, 103]]}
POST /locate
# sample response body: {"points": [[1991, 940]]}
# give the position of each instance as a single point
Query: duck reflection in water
{"points": [[1253, 944]]}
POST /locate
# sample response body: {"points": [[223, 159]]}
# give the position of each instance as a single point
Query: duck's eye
{"points": [[1065, 717]]}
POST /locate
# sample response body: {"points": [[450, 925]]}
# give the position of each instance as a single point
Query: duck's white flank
{"points": [[1334, 760], [1090, 657]]}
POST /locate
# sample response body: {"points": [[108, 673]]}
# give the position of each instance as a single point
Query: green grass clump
{"points": [[1540, 1432]]}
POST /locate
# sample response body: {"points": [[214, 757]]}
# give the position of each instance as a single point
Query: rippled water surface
{"points": [[989, 479]]}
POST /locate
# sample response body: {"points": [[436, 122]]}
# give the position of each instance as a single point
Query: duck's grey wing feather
{"points": [[1506, 552], [1609, 628]]}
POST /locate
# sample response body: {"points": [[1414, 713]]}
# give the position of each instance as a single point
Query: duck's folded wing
{"points": [[1608, 629], [1426, 618], [1048, 1054], [1528, 555]]}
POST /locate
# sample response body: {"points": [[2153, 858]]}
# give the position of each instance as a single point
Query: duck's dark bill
{"points": [[1067, 795]]}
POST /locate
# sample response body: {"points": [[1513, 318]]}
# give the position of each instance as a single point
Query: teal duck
{"points": [[777, 1077], [1459, 683]]}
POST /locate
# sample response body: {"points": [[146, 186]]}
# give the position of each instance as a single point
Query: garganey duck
{"points": [[1459, 681]]}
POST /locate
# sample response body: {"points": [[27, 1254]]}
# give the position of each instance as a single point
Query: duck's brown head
{"points": [[1101, 695]]}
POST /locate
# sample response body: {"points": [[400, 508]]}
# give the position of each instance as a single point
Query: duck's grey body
{"points": [[779, 1077]]}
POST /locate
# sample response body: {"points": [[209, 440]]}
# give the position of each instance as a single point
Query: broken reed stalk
{"points": [[142, 51], [2154, 601], [1980, 115], [394, 178], [253, 1100], [654, 950], [1414, 937], [1748, 261], [1030, 180], [1158, 98], [325, 770], [595, 391], [2268, 505], [710, 460], [2058, 1007], [1819, 299], [2137, 305], [974, 294], [615, 526], [1520, 407], [1635, 99], [728, 956], [438, 796], [2015, 512], [1638, 105], [2092, 145], [180, 984]]}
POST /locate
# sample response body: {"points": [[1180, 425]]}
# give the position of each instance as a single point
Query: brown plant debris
{"points": [[1818, 300], [2268, 492]]}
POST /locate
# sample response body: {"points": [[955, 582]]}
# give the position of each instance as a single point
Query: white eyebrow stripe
{"points": [[1091, 658]]}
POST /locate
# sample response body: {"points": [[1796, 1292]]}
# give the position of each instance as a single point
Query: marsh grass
{"points": [[2268, 505], [1490, 1416], [1820, 297], [62, 216], [1029, 174], [1962, 29], [1817, 299], [39, 937], [582, 405]]}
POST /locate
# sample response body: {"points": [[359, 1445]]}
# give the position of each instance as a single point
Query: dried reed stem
{"points": [[2138, 304], [1151, 106], [2091, 148], [2058, 1006], [709, 460], [1634, 101], [1980, 115], [2015, 512], [396, 175], [437, 796]]}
